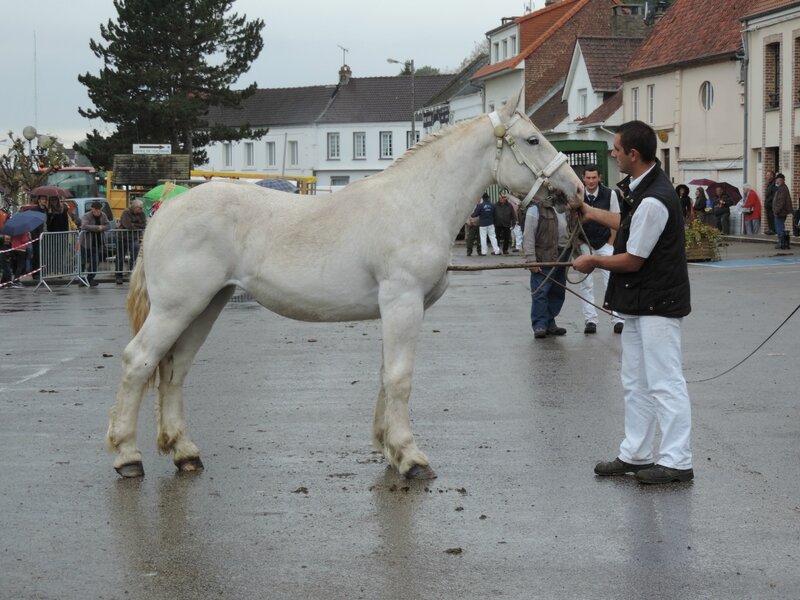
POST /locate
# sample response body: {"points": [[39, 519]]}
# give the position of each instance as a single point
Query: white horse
{"points": [[379, 248]]}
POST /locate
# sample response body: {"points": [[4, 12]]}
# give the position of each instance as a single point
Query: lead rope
{"points": [[568, 264]]}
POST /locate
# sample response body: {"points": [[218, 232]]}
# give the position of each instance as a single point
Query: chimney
{"points": [[344, 75]]}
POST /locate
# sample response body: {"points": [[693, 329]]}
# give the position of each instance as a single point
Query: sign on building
{"points": [[137, 169], [152, 148]]}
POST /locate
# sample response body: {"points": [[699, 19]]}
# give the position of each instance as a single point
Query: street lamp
{"points": [[29, 133], [409, 64]]}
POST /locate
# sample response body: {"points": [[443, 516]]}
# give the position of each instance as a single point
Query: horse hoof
{"points": [[190, 465], [134, 469], [421, 472]]}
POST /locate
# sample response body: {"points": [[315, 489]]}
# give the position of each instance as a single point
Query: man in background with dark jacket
{"points": [[485, 213], [599, 240], [769, 195], [781, 208], [504, 220]]}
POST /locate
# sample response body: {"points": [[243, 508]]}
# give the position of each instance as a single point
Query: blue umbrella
{"points": [[23, 222], [275, 183]]}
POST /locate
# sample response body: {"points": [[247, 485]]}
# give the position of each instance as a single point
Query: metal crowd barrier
{"points": [[65, 254]]}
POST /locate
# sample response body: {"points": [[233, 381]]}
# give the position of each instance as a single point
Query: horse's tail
{"points": [[138, 298], [139, 303]]}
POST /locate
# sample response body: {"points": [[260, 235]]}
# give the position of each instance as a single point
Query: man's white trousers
{"points": [[655, 393]]}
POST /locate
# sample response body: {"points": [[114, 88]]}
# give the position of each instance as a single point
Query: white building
{"points": [[338, 133]]}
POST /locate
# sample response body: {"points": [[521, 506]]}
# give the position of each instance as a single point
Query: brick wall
{"points": [[548, 64]]}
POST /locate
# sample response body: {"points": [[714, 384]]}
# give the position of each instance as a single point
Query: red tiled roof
{"points": [[534, 29], [764, 6], [606, 59], [551, 113], [692, 30]]}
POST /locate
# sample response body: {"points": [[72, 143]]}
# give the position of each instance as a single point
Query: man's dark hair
{"points": [[97, 205], [591, 167], [639, 136]]}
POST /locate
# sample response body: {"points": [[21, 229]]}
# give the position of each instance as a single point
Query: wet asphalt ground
{"points": [[294, 503]]}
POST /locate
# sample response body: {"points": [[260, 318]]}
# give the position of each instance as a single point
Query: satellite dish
{"points": [[29, 133]]}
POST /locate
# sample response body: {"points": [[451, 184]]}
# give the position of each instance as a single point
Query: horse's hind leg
{"points": [[139, 361], [401, 316], [173, 369]]}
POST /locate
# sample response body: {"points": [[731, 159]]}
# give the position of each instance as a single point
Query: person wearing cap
{"points": [[781, 208], [94, 224]]}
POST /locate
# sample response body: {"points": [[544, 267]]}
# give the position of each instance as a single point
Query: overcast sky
{"points": [[301, 48]]}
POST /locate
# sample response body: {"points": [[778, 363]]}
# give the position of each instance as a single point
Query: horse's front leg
{"points": [[401, 317]]}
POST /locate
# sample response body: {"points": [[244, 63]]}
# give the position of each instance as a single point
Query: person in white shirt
{"points": [[649, 286], [599, 240]]}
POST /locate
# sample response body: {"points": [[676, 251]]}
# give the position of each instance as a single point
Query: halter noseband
{"points": [[501, 132]]}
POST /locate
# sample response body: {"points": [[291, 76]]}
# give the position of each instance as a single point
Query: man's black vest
{"points": [[661, 286], [597, 235]]}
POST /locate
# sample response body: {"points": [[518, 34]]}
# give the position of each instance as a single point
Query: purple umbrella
{"points": [[275, 183], [23, 222], [711, 189]]}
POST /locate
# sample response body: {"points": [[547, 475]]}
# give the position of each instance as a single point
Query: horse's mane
{"points": [[445, 131]]}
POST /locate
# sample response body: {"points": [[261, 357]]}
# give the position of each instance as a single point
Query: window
{"points": [[294, 154], [340, 179], [582, 102], [333, 146], [227, 154], [409, 141], [386, 144], [359, 145], [270, 154], [796, 61], [635, 103], [249, 155], [496, 51], [772, 75], [651, 99], [505, 49], [513, 45], [706, 95]]}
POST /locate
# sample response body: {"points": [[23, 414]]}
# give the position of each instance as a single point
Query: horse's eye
{"points": [[533, 140]]}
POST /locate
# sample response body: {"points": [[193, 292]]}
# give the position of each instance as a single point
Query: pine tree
{"points": [[164, 63]]}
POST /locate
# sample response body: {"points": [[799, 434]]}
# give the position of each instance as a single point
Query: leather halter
{"points": [[502, 134]]}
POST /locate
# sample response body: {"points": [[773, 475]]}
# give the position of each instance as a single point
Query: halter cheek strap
{"points": [[502, 134]]}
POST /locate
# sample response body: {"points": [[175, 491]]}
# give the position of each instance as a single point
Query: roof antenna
{"points": [[344, 54]]}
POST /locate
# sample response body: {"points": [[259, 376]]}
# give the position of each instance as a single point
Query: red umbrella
{"points": [[50, 191], [711, 189]]}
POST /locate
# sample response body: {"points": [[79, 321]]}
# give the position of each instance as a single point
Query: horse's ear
{"points": [[511, 105]]}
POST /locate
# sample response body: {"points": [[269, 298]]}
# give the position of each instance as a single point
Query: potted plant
{"points": [[702, 241]]}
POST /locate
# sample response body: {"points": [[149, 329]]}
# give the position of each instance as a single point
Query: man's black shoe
{"points": [[555, 330], [590, 328], [661, 474], [618, 467], [618, 327], [540, 333]]}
